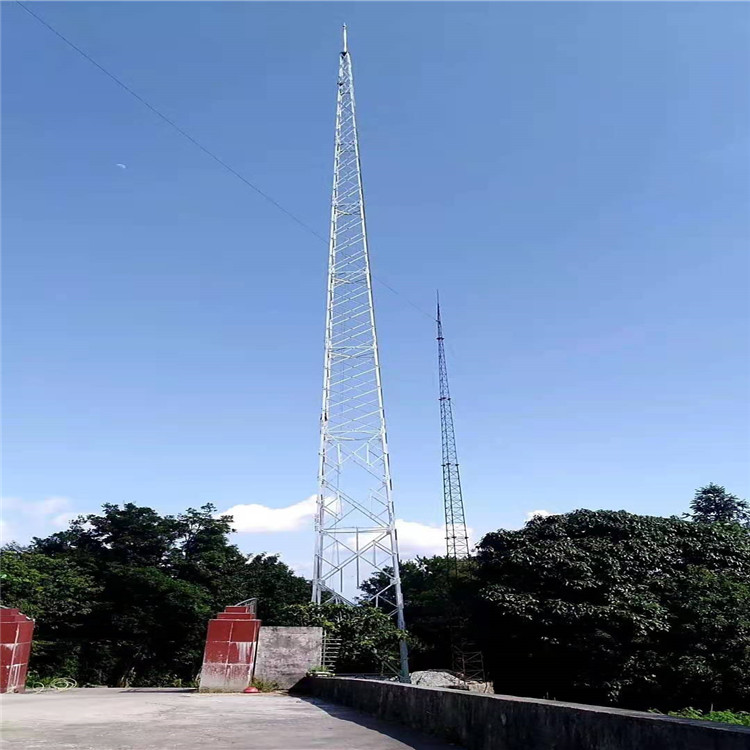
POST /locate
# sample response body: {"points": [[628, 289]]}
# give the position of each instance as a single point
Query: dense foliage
{"points": [[741, 718], [438, 600], [611, 607], [713, 504], [123, 597], [369, 637], [592, 606], [599, 606]]}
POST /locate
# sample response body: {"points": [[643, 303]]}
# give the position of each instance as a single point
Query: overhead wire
{"points": [[200, 146], [170, 122]]}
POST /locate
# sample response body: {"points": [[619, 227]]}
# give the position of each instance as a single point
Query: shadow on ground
{"points": [[409, 737], [159, 690]]}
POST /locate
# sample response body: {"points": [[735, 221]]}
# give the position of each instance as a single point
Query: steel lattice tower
{"points": [[456, 538], [355, 522]]}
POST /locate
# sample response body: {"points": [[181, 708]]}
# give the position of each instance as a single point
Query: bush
{"points": [[742, 718], [265, 686]]}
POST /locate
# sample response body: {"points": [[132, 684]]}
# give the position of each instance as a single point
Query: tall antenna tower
{"points": [[456, 538], [355, 522]]}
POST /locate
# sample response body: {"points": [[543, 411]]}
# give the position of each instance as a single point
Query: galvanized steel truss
{"points": [[456, 538], [355, 522]]}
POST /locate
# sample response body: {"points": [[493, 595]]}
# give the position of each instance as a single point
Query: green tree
{"points": [[124, 596], [59, 595], [274, 583], [437, 603], [713, 504], [369, 637], [203, 555], [611, 607]]}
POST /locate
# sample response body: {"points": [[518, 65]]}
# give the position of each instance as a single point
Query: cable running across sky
{"points": [[199, 145]]}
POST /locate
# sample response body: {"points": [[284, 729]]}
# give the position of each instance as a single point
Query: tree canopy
{"points": [[713, 504], [612, 607], [369, 637], [123, 597], [598, 606], [438, 599], [603, 607]]}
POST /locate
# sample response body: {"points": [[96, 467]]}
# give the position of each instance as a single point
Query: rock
{"points": [[437, 679], [440, 679], [481, 687]]}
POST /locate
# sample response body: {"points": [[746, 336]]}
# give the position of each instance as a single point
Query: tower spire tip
{"points": [[343, 31]]}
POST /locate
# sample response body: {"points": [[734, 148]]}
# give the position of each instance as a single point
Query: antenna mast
{"points": [[355, 522], [456, 538]]}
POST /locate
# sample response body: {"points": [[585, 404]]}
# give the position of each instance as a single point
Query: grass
{"points": [[319, 670], [740, 718], [265, 686]]}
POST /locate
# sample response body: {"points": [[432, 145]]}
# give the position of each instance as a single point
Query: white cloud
{"points": [[122, 166], [49, 506], [414, 538], [9, 503], [538, 514], [23, 519], [253, 518], [6, 532], [62, 520], [302, 568]]}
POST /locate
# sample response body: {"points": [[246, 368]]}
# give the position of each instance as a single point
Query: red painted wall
{"points": [[231, 645], [16, 631]]}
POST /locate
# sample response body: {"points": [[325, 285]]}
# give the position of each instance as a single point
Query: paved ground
{"points": [[112, 719]]}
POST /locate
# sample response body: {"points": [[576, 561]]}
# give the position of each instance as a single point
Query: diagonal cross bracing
{"points": [[355, 522]]}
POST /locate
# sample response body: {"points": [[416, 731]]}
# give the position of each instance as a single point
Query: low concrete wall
{"points": [[502, 722], [286, 654]]}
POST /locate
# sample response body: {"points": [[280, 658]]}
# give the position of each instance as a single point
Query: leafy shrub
{"points": [[742, 718], [265, 686]]}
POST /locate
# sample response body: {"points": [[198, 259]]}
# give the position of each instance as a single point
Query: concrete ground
{"points": [[173, 719]]}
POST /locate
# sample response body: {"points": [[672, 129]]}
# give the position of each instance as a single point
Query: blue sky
{"points": [[574, 178]]}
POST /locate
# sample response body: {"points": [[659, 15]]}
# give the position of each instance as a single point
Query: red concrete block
{"points": [[9, 632], [25, 631], [234, 616], [238, 676], [245, 630], [241, 653], [16, 632], [213, 676], [229, 654], [219, 630], [216, 652], [23, 651]]}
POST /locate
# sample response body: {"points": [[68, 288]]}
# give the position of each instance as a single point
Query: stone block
{"points": [[286, 654]]}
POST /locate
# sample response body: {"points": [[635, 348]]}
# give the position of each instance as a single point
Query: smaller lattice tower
{"points": [[456, 538], [467, 658]]}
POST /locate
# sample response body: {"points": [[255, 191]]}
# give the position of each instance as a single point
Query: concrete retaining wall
{"points": [[502, 722], [286, 654]]}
